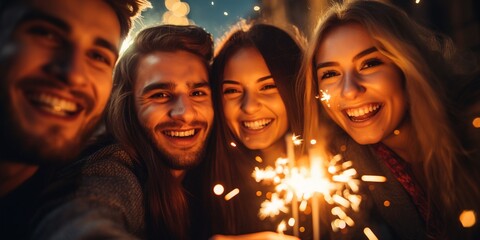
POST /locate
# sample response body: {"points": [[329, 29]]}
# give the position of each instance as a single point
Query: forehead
{"points": [[179, 67], [344, 41], [85, 18], [246, 63]]}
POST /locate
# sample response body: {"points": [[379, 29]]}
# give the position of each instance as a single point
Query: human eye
{"points": [[372, 62], [45, 34], [228, 90], [269, 86], [198, 93], [100, 57], [328, 74], [159, 95]]}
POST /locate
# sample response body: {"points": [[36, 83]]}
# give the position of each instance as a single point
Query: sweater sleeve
{"points": [[106, 202]]}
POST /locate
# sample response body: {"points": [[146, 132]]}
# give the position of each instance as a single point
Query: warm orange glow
{"points": [[467, 218], [218, 189]]}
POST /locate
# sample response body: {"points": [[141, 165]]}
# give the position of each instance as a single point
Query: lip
{"points": [[182, 142], [66, 108], [256, 131], [367, 120]]}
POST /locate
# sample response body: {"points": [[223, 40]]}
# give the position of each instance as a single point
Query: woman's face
{"points": [[253, 108], [367, 95]]}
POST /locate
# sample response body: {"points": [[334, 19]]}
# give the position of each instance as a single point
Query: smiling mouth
{"points": [[363, 113], [257, 124], [54, 104], [181, 134]]}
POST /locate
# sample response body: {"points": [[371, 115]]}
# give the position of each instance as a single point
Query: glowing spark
{"points": [[467, 218], [258, 159], [212, 3], [476, 122], [233, 144], [373, 178], [273, 207], [256, 8], [225, 13], [369, 233], [218, 189], [291, 222], [386, 203], [296, 139], [417, 1], [232, 194], [325, 97], [313, 141]]}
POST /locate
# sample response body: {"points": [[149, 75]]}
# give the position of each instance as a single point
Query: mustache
{"points": [[177, 124]]}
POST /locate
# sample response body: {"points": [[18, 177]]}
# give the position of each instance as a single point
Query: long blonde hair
{"points": [[423, 57]]}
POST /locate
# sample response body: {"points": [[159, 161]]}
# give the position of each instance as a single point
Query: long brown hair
{"points": [[425, 59], [165, 202], [282, 53]]}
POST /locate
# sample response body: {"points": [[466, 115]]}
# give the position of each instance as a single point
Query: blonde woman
{"points": [[383, 81]]}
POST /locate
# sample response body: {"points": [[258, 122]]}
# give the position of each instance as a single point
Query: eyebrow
{"points": [[171, 86], [36, 15], [355, 58], [155, 86], [258, 80]]}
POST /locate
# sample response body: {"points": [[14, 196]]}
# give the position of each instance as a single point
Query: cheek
{"points": [[148, 115]]}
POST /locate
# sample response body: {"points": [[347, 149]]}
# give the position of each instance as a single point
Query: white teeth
{"points": [[54, 103], [258, 124], [187, 133], [356, 112]]}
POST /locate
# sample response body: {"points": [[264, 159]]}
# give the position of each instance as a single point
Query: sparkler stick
{"points": [[291, 164], [316, 175]]}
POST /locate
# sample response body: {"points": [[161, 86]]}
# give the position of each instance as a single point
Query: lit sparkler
{"points": [[338, 185]]}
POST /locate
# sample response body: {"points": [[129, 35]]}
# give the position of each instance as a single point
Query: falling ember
{"points": [[396, 132], [232, 194], [373, 178], [233, 144], [218, 189], [291, 222], [258, 159], [467, 218], [313, 141], [325, 97], [476, 122], [369, 233]]}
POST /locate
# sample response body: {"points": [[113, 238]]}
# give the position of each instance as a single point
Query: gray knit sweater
{"points": [[103, 200]]}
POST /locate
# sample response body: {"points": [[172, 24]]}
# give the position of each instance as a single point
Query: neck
{"points": [[13, 174], [273, 152]]}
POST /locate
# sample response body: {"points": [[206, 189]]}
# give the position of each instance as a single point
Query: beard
{"points": [[17, 144], [184, 160]]}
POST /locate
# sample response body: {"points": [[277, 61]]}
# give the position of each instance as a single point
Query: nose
{"points": [[182, 109], [250, 103], [68, 66], [352, 86]]}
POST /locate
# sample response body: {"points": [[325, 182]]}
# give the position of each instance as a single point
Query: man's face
{"points": [[59, 77], [173, 104]]}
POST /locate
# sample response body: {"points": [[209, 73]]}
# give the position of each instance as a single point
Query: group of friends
{"points": [[83, 156]]}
